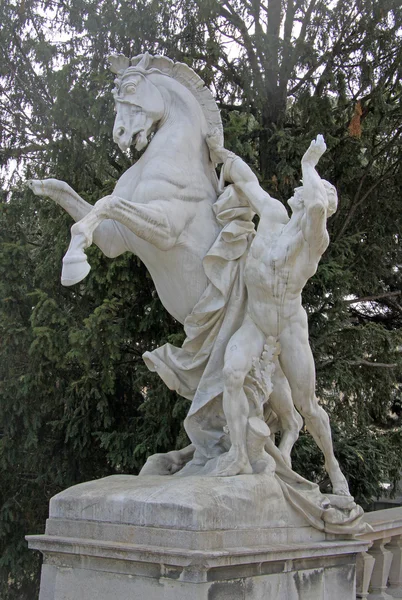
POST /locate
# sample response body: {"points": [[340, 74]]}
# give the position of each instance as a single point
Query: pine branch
{"points": [[361, 361], [230, 107], [368, 363], [236, 79], [24, 151], [327, 58], [35, 78], [373, 298], [357, 203]]}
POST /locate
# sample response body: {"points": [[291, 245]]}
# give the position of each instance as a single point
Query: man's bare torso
{"points": [[279, 263]]}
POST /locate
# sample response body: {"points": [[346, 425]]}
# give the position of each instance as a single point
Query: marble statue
{"points": [[246, 363], [282, 257], [160, 208]]}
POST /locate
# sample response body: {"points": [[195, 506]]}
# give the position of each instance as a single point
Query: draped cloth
{"points": [[195, 370]]}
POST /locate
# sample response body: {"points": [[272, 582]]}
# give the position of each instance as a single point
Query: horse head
{"points": [[140, 97], [139, 104]]}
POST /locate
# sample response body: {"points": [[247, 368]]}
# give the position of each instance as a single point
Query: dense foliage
{"points": [[76, 400]]}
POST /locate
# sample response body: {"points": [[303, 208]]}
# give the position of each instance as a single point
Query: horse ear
{"points": [[142, 61], [118, 63]]}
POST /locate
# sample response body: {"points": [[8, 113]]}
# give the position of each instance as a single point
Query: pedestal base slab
{"points": [[140, 538]]}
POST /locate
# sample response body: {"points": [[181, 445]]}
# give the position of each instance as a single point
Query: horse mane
{"points": [[182, 73]]}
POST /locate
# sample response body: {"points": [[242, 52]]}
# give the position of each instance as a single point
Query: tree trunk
{"points": [[272, 117]]}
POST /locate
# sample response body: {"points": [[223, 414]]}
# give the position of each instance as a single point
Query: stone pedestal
{"points": [[190, 538]]}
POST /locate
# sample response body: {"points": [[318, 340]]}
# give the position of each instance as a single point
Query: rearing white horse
{"points": [[161, 207]]}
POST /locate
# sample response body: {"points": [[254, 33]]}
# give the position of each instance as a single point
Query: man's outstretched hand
{"points": [[314, 151]]}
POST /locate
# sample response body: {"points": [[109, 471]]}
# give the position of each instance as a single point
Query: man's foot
{"points": [[342, 502], [168, 463], [340, 486], [232, 464]]}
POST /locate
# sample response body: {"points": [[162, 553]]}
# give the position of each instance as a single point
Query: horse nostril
{"points": [[120, 131]]}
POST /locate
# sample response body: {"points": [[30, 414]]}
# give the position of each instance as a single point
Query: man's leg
{"points": [[298, 365], [290, 421], [244, 345]]}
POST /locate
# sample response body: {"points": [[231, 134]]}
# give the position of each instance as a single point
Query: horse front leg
{"points": [[75, 262], [110, 236], [158, 222]]}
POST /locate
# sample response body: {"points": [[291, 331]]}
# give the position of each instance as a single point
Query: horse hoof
{"points": [[75, 269]]}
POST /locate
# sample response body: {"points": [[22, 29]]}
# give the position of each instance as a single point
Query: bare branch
{"points": [[233, 18], [324, 58], [368, 363], [19, 152], [373, 298]]}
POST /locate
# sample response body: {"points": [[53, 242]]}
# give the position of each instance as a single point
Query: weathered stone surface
{"points": [[256, 530], [124, 536], [70, 576], [202, 504]]}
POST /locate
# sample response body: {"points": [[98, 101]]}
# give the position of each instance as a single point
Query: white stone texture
{"points": [[197, 238], [382, 566], [395, 573], [231, 511], [194, 236], [364, 569], [332, 580], [383, 580], [138, 538]]}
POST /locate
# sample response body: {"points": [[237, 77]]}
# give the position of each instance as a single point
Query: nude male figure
{"points": [[284, 254]]}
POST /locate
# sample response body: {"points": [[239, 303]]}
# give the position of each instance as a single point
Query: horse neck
{"points": [[182, 129]]}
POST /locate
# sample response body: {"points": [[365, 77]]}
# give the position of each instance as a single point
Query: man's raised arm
{"points": [[313, 187], [236, 171], [314, 197]]}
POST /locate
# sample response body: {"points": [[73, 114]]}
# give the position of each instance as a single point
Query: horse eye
{"points": [[130, 89]]}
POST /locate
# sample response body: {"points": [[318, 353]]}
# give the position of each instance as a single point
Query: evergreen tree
{"points": [[76, 399]]}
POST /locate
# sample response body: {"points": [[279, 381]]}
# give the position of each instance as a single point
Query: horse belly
{"points": [[179, 280], [178, 273]]}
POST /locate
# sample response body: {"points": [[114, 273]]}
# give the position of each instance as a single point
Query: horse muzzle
{"points": [[122, 137]]}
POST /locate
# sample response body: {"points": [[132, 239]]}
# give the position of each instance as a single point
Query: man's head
{"points": [[296, 202], [332, 196]]}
